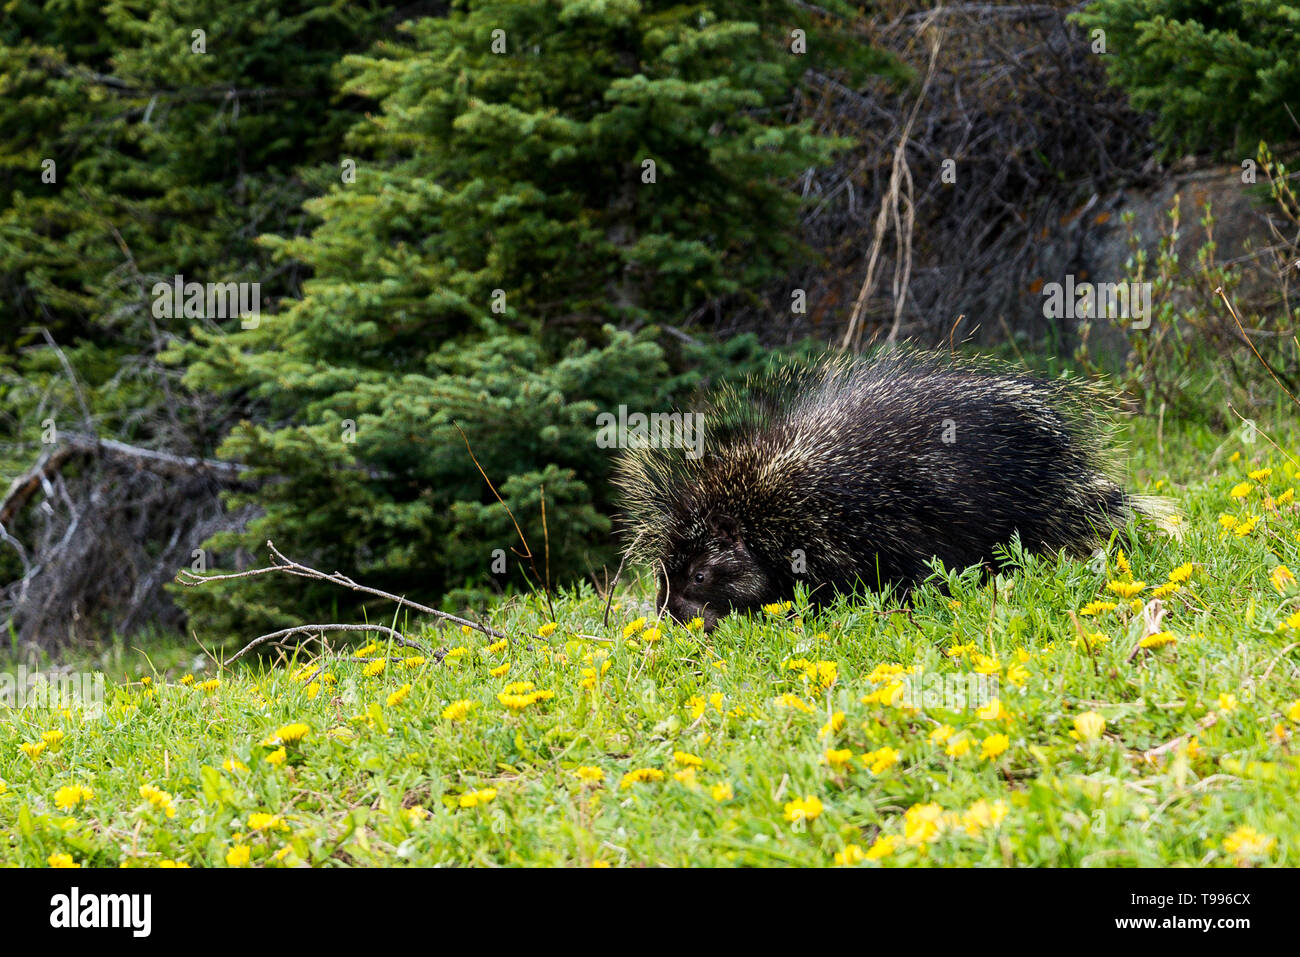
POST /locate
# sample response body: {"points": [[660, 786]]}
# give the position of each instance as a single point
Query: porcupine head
{"points": [[712, 525]]}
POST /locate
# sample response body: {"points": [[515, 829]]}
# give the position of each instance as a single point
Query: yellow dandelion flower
{"points": [[982, 815], [1286, 498], [1125, 589], [922, 823], [477, 798], [632, 627], [413, 662], [375, 668], [804, 809], [458, 710], [833, 726], [59, 859], [958, 748], [640, 776], [1122, 564], [686, 776], [232, 765], [32, 750], [415, 813], [1089, 726], [589, 775], [838, 757], [957, 651], [883, 846], [1094, 608], [884, 672], [1165, 590], [942, 733], [1182, 573], [1248, 842], [1282, 579], [500, 670], [71, 795], [1245, 528], [547, 629], [851, 855], [994, 745], [1158, 640], [789, 700], [517, 701], [1293, 711], [291, 733], [1259, 475], [778, 607], [53, 738], [1240, 490], [888, 695], [187, 680], [651, 635], [460, 651], [1227, 702], [398, 696], [880, 760], [722, 792], [239, 855], [277, 757], [687, 760], [1018, 674], [159, 799], [261, 821]]}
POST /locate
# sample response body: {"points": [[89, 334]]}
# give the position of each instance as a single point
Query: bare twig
{"points": [[528, 552], [290, 567], [394, 635], [1209, 720]]}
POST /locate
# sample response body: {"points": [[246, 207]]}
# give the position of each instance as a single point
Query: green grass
{"points": [[733, 727]]}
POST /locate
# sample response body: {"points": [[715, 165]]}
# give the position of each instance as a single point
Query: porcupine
{"points": [[846, 473]]}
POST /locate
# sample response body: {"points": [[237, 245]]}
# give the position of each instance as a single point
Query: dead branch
{"points": [[394, 635], [74, 444], [290, 567]]}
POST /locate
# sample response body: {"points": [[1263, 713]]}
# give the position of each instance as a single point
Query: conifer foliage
{"points": [[536, 185], [1220, 74]]}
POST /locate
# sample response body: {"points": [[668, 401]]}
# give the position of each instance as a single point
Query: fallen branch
{"points": [[394, 635], [290, 567], [74, 443]]}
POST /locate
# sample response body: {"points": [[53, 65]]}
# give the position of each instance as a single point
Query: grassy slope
{"points": [[350, 791]]}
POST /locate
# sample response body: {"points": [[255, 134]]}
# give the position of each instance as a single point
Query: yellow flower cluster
{"points": [[160, 800]]}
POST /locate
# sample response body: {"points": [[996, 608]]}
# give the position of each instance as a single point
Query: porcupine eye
{"points": [[699, 578]]}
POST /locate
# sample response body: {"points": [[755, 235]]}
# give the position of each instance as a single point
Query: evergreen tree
{"points": [[1220, 74], [139, 140], [534, 178]]}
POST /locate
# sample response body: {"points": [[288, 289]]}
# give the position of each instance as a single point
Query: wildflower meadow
{"points": [[1140, 708]]}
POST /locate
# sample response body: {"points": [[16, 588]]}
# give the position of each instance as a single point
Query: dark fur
{"points": [[844, 462]]}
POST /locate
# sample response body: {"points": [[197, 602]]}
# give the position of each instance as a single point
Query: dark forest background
{"points": [[475, 226]]}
